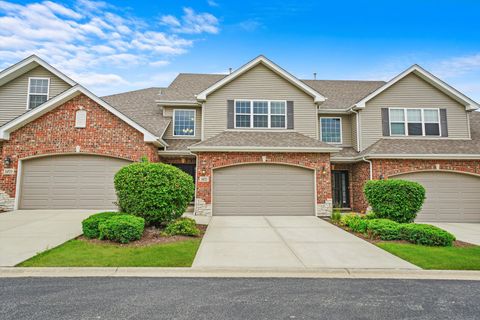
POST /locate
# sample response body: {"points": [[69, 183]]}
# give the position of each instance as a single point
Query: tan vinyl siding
{"points": [[411, 92], [346, 127], [13, 95], [354, 131], [260, 83], [168, 112]]}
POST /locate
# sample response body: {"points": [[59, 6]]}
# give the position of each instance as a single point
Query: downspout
{"points": [[357, 121], [370, 165]]}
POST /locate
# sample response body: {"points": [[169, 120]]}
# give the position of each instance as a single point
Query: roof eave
{"points": [[174, 103]]}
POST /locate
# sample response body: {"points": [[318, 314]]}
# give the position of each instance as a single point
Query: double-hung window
{"points": [[261, 114], [184, 122], [37, 91], [331, 130], [414, 122]]}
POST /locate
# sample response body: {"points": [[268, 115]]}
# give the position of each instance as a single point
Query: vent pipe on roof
{"points": [[314, 76], [229, 70]]}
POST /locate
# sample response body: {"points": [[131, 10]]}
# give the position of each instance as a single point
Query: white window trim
{"points": [[405, 122], [28, 89], [252, 114], [79, 125], [341, 130], [194, 124]]}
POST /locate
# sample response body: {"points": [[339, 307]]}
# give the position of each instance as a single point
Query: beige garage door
{"points": [[450, 197], [69, 182], [263, 189]]}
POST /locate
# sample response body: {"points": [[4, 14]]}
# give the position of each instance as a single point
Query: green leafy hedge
{"points": [[157, 192], [397, 200], [123, 228], [384, 229], [182, 226], [90, 225], [426, 234]]}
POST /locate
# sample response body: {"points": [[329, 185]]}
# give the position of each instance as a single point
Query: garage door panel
{"points": [[70, 181], [263, 189], [450, 197]]}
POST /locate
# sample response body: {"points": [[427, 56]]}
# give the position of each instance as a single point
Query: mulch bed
{"points": [[151, 235], [456, 243]]}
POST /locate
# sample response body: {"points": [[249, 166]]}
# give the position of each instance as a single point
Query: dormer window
{"points": [[37, 92]]}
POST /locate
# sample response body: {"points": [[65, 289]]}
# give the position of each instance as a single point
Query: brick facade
{"points": [[207, 161], [55, 133], [360, 173]]}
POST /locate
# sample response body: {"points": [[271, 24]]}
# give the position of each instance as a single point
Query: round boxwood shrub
{"points": [[157, 192], [182, 226], [123, 228], [90, 225], [397, 200], [384, 229], [426, 234]]}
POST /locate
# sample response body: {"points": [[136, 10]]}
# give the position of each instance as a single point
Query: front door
{"points": [[188, 168], [340, 195]]}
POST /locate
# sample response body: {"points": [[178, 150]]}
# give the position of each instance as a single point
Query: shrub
{"points": [[426, 234], [123, 229], [182, 226], [370, 215], [90, 225], [397, 200], [336, 216], [355, 222], [384, 229], [157, 192]]}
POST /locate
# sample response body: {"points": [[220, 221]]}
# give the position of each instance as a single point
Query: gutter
{"points": [[177, 103], [370, 167], [357, 121]]}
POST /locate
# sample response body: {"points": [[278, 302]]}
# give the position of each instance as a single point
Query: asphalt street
{"points": [[214, 298]]}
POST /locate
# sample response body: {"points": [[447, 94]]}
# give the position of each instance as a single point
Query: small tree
{"points": [[157, 192], [397, 200]]}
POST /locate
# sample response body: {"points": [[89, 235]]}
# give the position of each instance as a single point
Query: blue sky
{"points": [[122, 45]]}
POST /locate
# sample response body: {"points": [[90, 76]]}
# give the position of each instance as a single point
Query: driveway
{"points": [[24, 233], [287, 242], [466, 232]]}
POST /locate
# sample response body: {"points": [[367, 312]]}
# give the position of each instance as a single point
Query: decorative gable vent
{"points": [[80, 118]]}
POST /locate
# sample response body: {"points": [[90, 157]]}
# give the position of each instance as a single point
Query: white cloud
{"points": [[212, 3], [192, 22], [250, 25], [456, 66], [93, 40]]}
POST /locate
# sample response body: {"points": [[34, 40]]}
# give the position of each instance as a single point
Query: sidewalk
{"points": [[10, 272]]}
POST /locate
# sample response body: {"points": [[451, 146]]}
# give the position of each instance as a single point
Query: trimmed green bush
{"points": [[426, 234], [90, 225], [157, 192], [397, 200], [123, 229], [355, 222], [182, 226], [336, 216], [384, 229]]}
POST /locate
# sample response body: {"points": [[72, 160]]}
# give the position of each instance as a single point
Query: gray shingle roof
{"points": [[340, 94], [180, 144], [140, 106], [262, 139]]}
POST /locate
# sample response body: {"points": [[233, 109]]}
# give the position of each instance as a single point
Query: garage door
{"points": [[450, 197], [263, 189], [68, 182]]}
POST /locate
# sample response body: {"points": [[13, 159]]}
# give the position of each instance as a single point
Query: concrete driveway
{"points": [[466, 232], [287, 242], [24, 233]]}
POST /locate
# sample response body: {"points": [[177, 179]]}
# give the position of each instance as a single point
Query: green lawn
{"points": [[78, 253], [439, 258]]}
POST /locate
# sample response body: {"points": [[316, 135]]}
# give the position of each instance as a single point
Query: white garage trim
{"points": [[314, 172], [434, 170]]}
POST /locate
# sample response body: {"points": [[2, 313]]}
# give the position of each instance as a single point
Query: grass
{"points": [[436, 258], [78, 253]]}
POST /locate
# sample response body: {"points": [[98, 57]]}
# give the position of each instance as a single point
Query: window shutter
{"points": [[385, 122], [443, 122], [230, 114], [289, 114]]}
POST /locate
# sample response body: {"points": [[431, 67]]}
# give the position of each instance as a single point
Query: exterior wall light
{"points": [[7, 161]]}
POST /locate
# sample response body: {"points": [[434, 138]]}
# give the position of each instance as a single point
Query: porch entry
{"points": [[340, 194]]}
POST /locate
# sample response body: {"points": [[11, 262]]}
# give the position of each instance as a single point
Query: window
{"points": [[260, 114], [414, 122], [184, 122], [80, 118], [37, 91], [331, 130]]}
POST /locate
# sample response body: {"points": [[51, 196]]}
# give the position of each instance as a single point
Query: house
{"points": [[258, 141]]}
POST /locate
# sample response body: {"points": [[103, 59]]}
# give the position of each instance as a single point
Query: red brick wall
{"points": [[210, 160], [391, 167], [55, 133]]}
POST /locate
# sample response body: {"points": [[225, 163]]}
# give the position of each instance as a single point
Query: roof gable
{"points": [[430, 79], [28, 64], [202, 96]]}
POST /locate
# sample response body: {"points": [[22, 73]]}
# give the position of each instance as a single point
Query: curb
{"points": [[12, 272]]}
